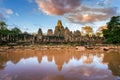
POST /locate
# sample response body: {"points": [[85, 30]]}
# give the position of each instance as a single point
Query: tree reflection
{"points": [[113, 60], [3, 61]]}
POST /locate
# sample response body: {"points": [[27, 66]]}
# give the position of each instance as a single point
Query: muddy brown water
{"points": [[59, 64]]}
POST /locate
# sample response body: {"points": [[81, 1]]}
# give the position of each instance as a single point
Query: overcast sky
{"points": [[29, 15]]}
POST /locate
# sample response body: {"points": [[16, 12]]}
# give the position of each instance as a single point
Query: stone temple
{"points": [[64, 35], [57, 36]]}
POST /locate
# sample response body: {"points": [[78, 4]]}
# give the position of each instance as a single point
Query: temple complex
{"points": [[64, 35], [60, 35]]}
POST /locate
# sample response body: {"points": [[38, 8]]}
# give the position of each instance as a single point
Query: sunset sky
{"points": [[29, 15]]}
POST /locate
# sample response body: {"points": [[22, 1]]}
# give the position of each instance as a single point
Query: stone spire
{"points": [[40, 31], [39, 35], [59, 23], [59, 29]]}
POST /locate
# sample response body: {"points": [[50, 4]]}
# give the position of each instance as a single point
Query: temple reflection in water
{"points": [[62, 60]]}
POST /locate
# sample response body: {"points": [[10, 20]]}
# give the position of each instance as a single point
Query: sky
{"points": [[30, 15]]}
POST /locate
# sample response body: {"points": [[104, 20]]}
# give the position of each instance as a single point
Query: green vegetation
{"points": [[87, 30], [3, 25], [16, 30], [112, 33], [14, 35]]}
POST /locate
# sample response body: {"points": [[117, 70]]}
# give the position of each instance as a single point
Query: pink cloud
{"points": [[57, 7], [75, 11], [90, 15]]}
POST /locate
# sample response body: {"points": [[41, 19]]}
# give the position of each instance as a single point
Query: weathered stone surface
{"points": [[50, 32], [39, 35], [66, 34], [77, 35], [59, 29], [40, 31]]}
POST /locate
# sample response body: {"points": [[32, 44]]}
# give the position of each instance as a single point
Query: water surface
{"points": [[59, 64]]}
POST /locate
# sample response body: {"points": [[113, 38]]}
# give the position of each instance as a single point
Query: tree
{"points": [[112, 33], [99, 32], [16, 30], [3, 25], [113, 60], [87, 30]]}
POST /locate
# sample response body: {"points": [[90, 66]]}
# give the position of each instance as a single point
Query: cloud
{"points": [[76, 11], [107, 2], [17, 14], [104, 3], [8, 11], [86, 14], [30, 1], [4, 13], [100, 3], [90, 72], [57, 7], [2, 17]]}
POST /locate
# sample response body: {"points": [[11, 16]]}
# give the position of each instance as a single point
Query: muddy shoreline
{"points": [[98, 48]]}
